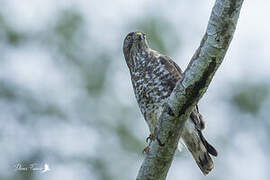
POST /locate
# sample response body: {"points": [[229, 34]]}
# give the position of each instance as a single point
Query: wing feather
{"points": [[175, 70]]}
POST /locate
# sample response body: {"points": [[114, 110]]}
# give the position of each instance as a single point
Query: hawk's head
{"points": [[135, 42]]}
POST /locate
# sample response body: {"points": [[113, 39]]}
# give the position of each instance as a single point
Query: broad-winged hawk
{"points": [[154, 77]]}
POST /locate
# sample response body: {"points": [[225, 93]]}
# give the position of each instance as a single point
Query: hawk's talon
{"points": [[145, 149], [150, 137]]}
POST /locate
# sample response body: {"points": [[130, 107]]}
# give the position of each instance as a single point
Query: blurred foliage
{"points": [[101, 169], [248, 97], [129, 142], [94, 71], [67, 39], [10, 35], [67, 35], [14, 95], [68, 42], [72, 41], [67, 25], [160, 34]]}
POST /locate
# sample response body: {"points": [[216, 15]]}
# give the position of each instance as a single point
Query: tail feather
{"points": [[210, 149], [198, 147]]}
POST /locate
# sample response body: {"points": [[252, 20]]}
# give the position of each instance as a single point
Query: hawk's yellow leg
{"points": [[151, 138]]}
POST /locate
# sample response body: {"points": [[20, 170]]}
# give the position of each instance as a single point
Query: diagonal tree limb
{"points": [[190, 89]]}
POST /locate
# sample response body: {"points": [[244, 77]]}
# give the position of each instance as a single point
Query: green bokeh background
{"points": [[66, 97]]}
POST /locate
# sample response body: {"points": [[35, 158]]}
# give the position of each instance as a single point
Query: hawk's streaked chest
{"points": [[153, 82]]}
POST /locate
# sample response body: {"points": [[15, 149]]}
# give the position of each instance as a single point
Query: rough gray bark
{"points": [[190, 89]]}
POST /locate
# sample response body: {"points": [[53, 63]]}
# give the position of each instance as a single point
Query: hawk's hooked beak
{"points": [[139, 36]]}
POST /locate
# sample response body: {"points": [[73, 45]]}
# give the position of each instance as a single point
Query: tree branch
{"points": [[190, 89]]}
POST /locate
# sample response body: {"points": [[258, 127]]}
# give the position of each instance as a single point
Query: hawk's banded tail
{"points": [[199, 147]]}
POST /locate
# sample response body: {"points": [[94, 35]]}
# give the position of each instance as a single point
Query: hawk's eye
{"points": [[128, 38]]}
